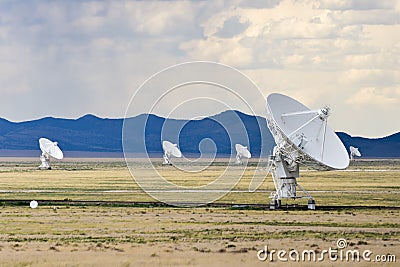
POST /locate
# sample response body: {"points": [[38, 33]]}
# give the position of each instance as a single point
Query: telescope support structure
{"points": [[284, 176]]}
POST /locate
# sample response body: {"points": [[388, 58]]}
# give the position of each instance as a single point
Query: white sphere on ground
{"points": [[33, 204]]}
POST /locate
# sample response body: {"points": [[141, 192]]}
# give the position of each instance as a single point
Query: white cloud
{"points": [[295, 28], [365, 17], [371, 96], [375, 77], [229, 52], [93, 54], [381, 59], [157, 18]]}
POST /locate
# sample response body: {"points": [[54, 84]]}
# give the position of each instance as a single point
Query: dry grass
{"points": [[112, 181]]}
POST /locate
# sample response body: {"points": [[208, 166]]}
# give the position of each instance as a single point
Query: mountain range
{"points": [[214, 134]]}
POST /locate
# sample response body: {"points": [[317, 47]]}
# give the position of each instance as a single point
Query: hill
{"points": [[92, 134]]}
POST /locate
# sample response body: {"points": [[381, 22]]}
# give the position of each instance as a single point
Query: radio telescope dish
{"points": [[354, 152], [49, 149], [302, 136], [170, 149], [241, 152]]}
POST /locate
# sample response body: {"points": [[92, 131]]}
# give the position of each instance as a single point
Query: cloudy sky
{"points": [[70, 58]]}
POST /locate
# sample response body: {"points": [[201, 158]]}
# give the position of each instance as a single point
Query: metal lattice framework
{"points": [[291, 151]]}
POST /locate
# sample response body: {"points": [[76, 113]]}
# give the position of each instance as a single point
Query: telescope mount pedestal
{"points": [[239, 160], [45, 162], [284, 174], [166, 160]]}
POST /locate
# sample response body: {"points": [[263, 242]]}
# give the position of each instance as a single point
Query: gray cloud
{"points": [[259, 3], [232, 27], [356, 4]]}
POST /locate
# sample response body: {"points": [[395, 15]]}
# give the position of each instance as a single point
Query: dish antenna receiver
{"points": [[302, 136], [241, 152], [170, 149], [354, 152], [49, 149]]}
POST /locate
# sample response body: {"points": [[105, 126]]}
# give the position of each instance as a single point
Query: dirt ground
{"points": [[124, 236], [155, 255]]}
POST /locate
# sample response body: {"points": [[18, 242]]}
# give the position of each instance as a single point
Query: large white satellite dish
{"points": [[354, 152], [170, 149], [302, 136], [49, 149], [241, 152]]}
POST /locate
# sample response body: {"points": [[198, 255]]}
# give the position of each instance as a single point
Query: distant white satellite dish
{"points": [[49, 149], [302, 136], [354, 152], [33, 204], [241, 152], [170, 149]]}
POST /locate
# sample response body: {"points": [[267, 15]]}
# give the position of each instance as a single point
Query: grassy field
{"points": [[65, 235], [363, 183]]}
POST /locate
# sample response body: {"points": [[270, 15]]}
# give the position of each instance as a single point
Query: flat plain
{"points": [[112, 233]]}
